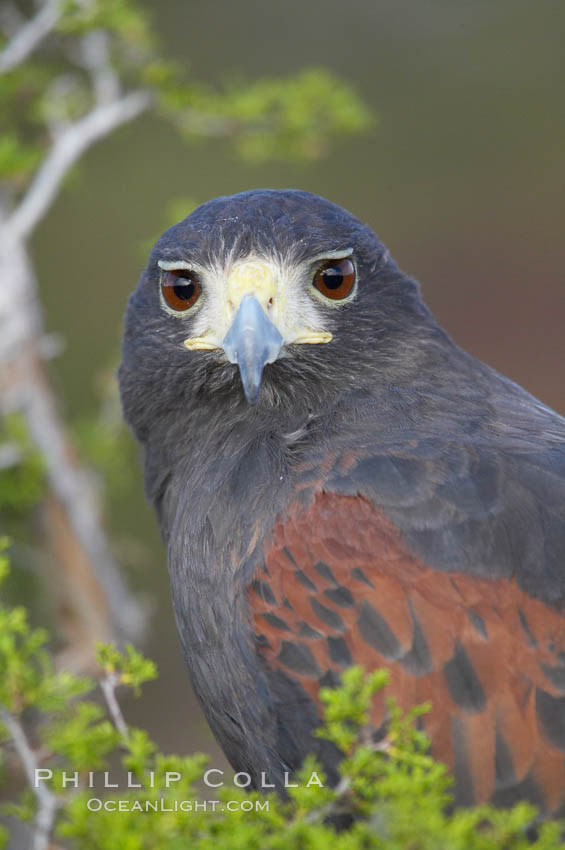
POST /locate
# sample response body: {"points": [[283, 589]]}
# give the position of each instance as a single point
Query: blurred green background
{"points": [[463, 178]]}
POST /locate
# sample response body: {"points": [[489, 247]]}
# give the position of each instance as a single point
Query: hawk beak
{"points": [[252, 342]]}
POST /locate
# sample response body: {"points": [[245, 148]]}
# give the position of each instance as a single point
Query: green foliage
{"points": [[118, 17], [399, 796], [28, 678], [17, 160], [22, 482], [22, 138], [130, 665], [82, 737], [282, 118], [292, 118], [345, 709]]}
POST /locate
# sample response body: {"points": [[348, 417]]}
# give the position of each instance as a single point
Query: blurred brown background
{"points": [[463, 178]]}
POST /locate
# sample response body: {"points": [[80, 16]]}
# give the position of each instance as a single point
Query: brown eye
{"points": [[335, 278], [181, 289]]}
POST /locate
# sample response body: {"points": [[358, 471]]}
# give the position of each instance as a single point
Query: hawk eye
{"points": [[181, 289], [335, 278]]}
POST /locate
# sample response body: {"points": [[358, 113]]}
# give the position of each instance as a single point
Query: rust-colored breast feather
{"points": [[339, 588]]}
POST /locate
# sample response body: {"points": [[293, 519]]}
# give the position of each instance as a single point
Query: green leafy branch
{"points": [[103, 68]]}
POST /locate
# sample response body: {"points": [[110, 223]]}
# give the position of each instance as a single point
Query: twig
{"points": [[108, 685], [26, 39], [95, 58], [47, 802], [341, 790], [66, 150], [343, 787]]}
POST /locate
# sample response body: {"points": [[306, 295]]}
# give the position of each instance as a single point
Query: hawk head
{"points": [[266, 298]]}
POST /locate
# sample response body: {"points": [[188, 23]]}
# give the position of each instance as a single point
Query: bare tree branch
{"points": [[47, 802], [92, 590], [66, 150], [95, 57], [26, 39], [109, 684], [96, 600], [73, 489]]}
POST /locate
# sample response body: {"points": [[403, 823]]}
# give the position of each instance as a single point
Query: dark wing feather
{"points": [[443, 561], [485, 496]]}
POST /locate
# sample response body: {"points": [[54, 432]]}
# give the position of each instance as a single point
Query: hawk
{"points": [[338, 483]]}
